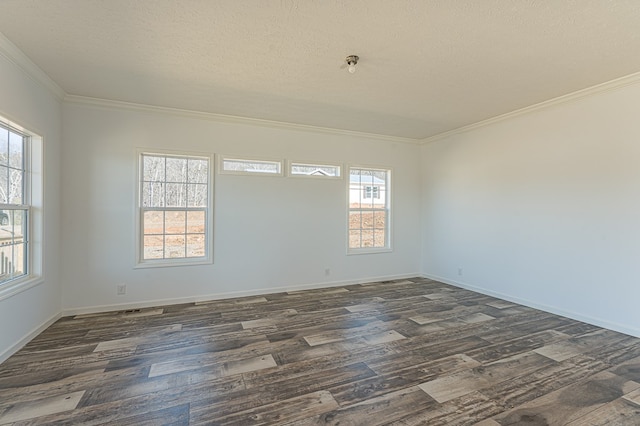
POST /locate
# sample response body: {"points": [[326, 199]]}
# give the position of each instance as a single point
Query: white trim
{"points": [[368, 250], [241, 158], [621, 328], [611, 85], [223, 118], [18, 58], [230, 295], [169, 262], [12, 349]]}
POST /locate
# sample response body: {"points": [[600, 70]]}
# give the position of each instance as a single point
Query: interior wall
{"points": [[270, 233], [542, 208], [32, 106]]}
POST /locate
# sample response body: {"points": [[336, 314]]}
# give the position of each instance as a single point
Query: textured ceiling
{"points": [[427, 66]]}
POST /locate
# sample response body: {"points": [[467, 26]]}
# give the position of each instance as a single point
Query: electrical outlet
{"points": [[121, 289], [327, 271], [459, 271]]}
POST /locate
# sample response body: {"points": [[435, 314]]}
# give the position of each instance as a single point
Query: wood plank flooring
{"points": [[406, 352]]}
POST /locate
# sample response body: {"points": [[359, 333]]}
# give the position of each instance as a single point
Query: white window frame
{"points": [[33, 186], [388, 210], [242, 158], [291, 164], [139, 235]]}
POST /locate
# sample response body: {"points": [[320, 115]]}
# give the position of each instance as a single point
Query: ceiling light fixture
{"points": [[352, 60]]}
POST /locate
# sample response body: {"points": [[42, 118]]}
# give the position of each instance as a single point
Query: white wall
{"points": [[270, 232], [33, 107], [543, 208]]}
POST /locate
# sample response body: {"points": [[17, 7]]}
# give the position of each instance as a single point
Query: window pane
{"points": [[4, 146], [153, 168], [197, 195], [175, 222], [367, 220], [16, 147], [18, 224], [152, 194], [195, 245], [355, 220], [15, 187], [176, 169], [381, 196], [6, 258], [4, 184], [251, 166], [12, 259], [198, 171], [176, 195], [380, 219], [174, 246], [195, 222], [367, 238], [355, 189], [379, 240], [19, 259], [354, 238], [153, 222], [153, 247]]}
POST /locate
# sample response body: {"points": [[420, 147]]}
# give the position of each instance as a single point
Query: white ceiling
{"points": [[427, 66]]}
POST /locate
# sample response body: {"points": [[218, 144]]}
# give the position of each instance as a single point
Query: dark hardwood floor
{"points": [[402, 352]]}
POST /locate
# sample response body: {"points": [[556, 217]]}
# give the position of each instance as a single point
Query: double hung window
{"points": [[369, 191], [14, 204], [175, 209]]}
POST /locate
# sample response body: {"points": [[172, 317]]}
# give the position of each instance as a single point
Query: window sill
{"points": [[370, 250], [171, 263], [10, 289]]}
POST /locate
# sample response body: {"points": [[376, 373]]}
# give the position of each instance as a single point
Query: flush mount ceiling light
{"points": [[352, 60]]}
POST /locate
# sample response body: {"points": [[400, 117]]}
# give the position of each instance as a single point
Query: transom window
{"points": [[246, 166], [14, 205], [174, 208], [369, 191], [314, 170]]}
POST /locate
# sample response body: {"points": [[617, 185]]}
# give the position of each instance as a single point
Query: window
{"points": [[175, 209], [314, 170], [251, 167], [369, 191], [14, 204]]}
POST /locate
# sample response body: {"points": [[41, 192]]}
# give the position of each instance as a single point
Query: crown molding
{"points": [[177, 112], [608, 86], [22, 61]]}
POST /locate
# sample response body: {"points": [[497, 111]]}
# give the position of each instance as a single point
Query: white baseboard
{"points": [[228, 295], [26, 339], [622, 328]]}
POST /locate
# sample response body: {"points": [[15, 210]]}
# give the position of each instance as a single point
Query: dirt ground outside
{"points": [[367, 228], [174, 234]]}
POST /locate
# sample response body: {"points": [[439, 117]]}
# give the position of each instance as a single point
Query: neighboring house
{"points": [[318, 172], [367, 190]]}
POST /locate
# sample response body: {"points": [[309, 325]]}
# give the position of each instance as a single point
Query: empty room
{"points": [[340, 212]]}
